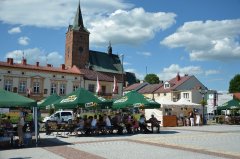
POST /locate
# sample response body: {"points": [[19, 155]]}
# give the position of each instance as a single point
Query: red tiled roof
{"points": [[73, 70], [92, 75], [236, 95], [174, 83], [132, 87], [150, 88]]}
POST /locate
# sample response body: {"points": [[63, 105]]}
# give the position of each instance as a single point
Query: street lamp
{"points": [[203, 92], [122, 55]]}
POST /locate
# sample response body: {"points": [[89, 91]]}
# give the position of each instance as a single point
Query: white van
{"points": [[59, 116]]}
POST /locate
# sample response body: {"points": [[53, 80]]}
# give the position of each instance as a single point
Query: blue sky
{"points": [[163, 37]]}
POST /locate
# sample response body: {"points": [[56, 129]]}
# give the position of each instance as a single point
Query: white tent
{"points": [[185, 102], [165, 102]]}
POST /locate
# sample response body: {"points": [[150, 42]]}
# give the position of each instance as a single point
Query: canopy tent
{"points": [[81, 98], [134, 99], [232, 104], [10, 99], [165, 102], [185, 102], [48, 101]]}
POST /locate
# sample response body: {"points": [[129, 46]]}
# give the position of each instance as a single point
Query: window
{"points": [[22, 87], [80, 50], [166, 85], [103, 89], [53, 88], [75, 87], [91, 87], [62, 89], [8, 84], [36, 87], [186, 95], [45, 91]]}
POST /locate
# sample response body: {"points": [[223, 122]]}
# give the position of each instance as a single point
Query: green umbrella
{"points": [[10, 99], [48, 101], [81, 98], [134, 99], [232, 104]]}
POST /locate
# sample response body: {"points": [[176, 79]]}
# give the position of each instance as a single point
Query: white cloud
{"points": [[15, 30], [210, 40], [129, 27], [172, 70], [53, 13], [23, 40], [138, 75], [211, 72], [145, 53], [36, 55], [106, 20]]}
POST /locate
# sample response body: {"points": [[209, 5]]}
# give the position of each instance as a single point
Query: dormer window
{"points": [[166, 85]]}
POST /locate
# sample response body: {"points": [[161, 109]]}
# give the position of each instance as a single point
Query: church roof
{"points": [[78, 20], [92, 75], [103, 62]]}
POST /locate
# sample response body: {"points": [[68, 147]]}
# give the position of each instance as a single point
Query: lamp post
{"points": [[203, 92]]}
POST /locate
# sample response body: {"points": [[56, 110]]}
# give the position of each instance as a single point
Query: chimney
{"points": [[49, 65], [10, 61], [24, 61], [63, 66], [178, 77], [37, 64]]}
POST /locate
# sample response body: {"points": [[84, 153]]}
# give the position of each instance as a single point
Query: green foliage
{"points": [[51, 111], [152, 79], [234, 84], [203, 102]]}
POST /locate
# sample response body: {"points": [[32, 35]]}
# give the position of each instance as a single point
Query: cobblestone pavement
{"points": [[204, 142]]}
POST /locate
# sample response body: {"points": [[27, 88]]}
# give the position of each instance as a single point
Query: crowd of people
{"points": [[191, 120], [118, 123]]}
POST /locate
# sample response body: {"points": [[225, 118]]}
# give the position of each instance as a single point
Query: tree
{"points": [[152, 79], [234, 84]]}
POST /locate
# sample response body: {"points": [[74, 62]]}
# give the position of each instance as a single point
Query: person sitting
{"points": [[80, 126], [94, 124], [154, 123], [8, 124], [108, 123], [143, 124], [135, 124]]}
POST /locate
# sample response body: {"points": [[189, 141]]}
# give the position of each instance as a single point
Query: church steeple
{"points": [[109, 48], [77, 42], [78, 20]]}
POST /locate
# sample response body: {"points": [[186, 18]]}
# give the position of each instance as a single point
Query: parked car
{"points": [[59, 116]]}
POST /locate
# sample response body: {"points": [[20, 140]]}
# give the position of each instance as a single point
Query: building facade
{"points": [[36, 81]]}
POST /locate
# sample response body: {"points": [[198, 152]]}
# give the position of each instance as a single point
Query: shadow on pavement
{"points": [[168, 132]]}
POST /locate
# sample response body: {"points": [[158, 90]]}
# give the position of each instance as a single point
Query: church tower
{"points": [[77, 43]]}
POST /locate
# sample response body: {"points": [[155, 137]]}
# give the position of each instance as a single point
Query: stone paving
{"points": [[203, 142]]}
